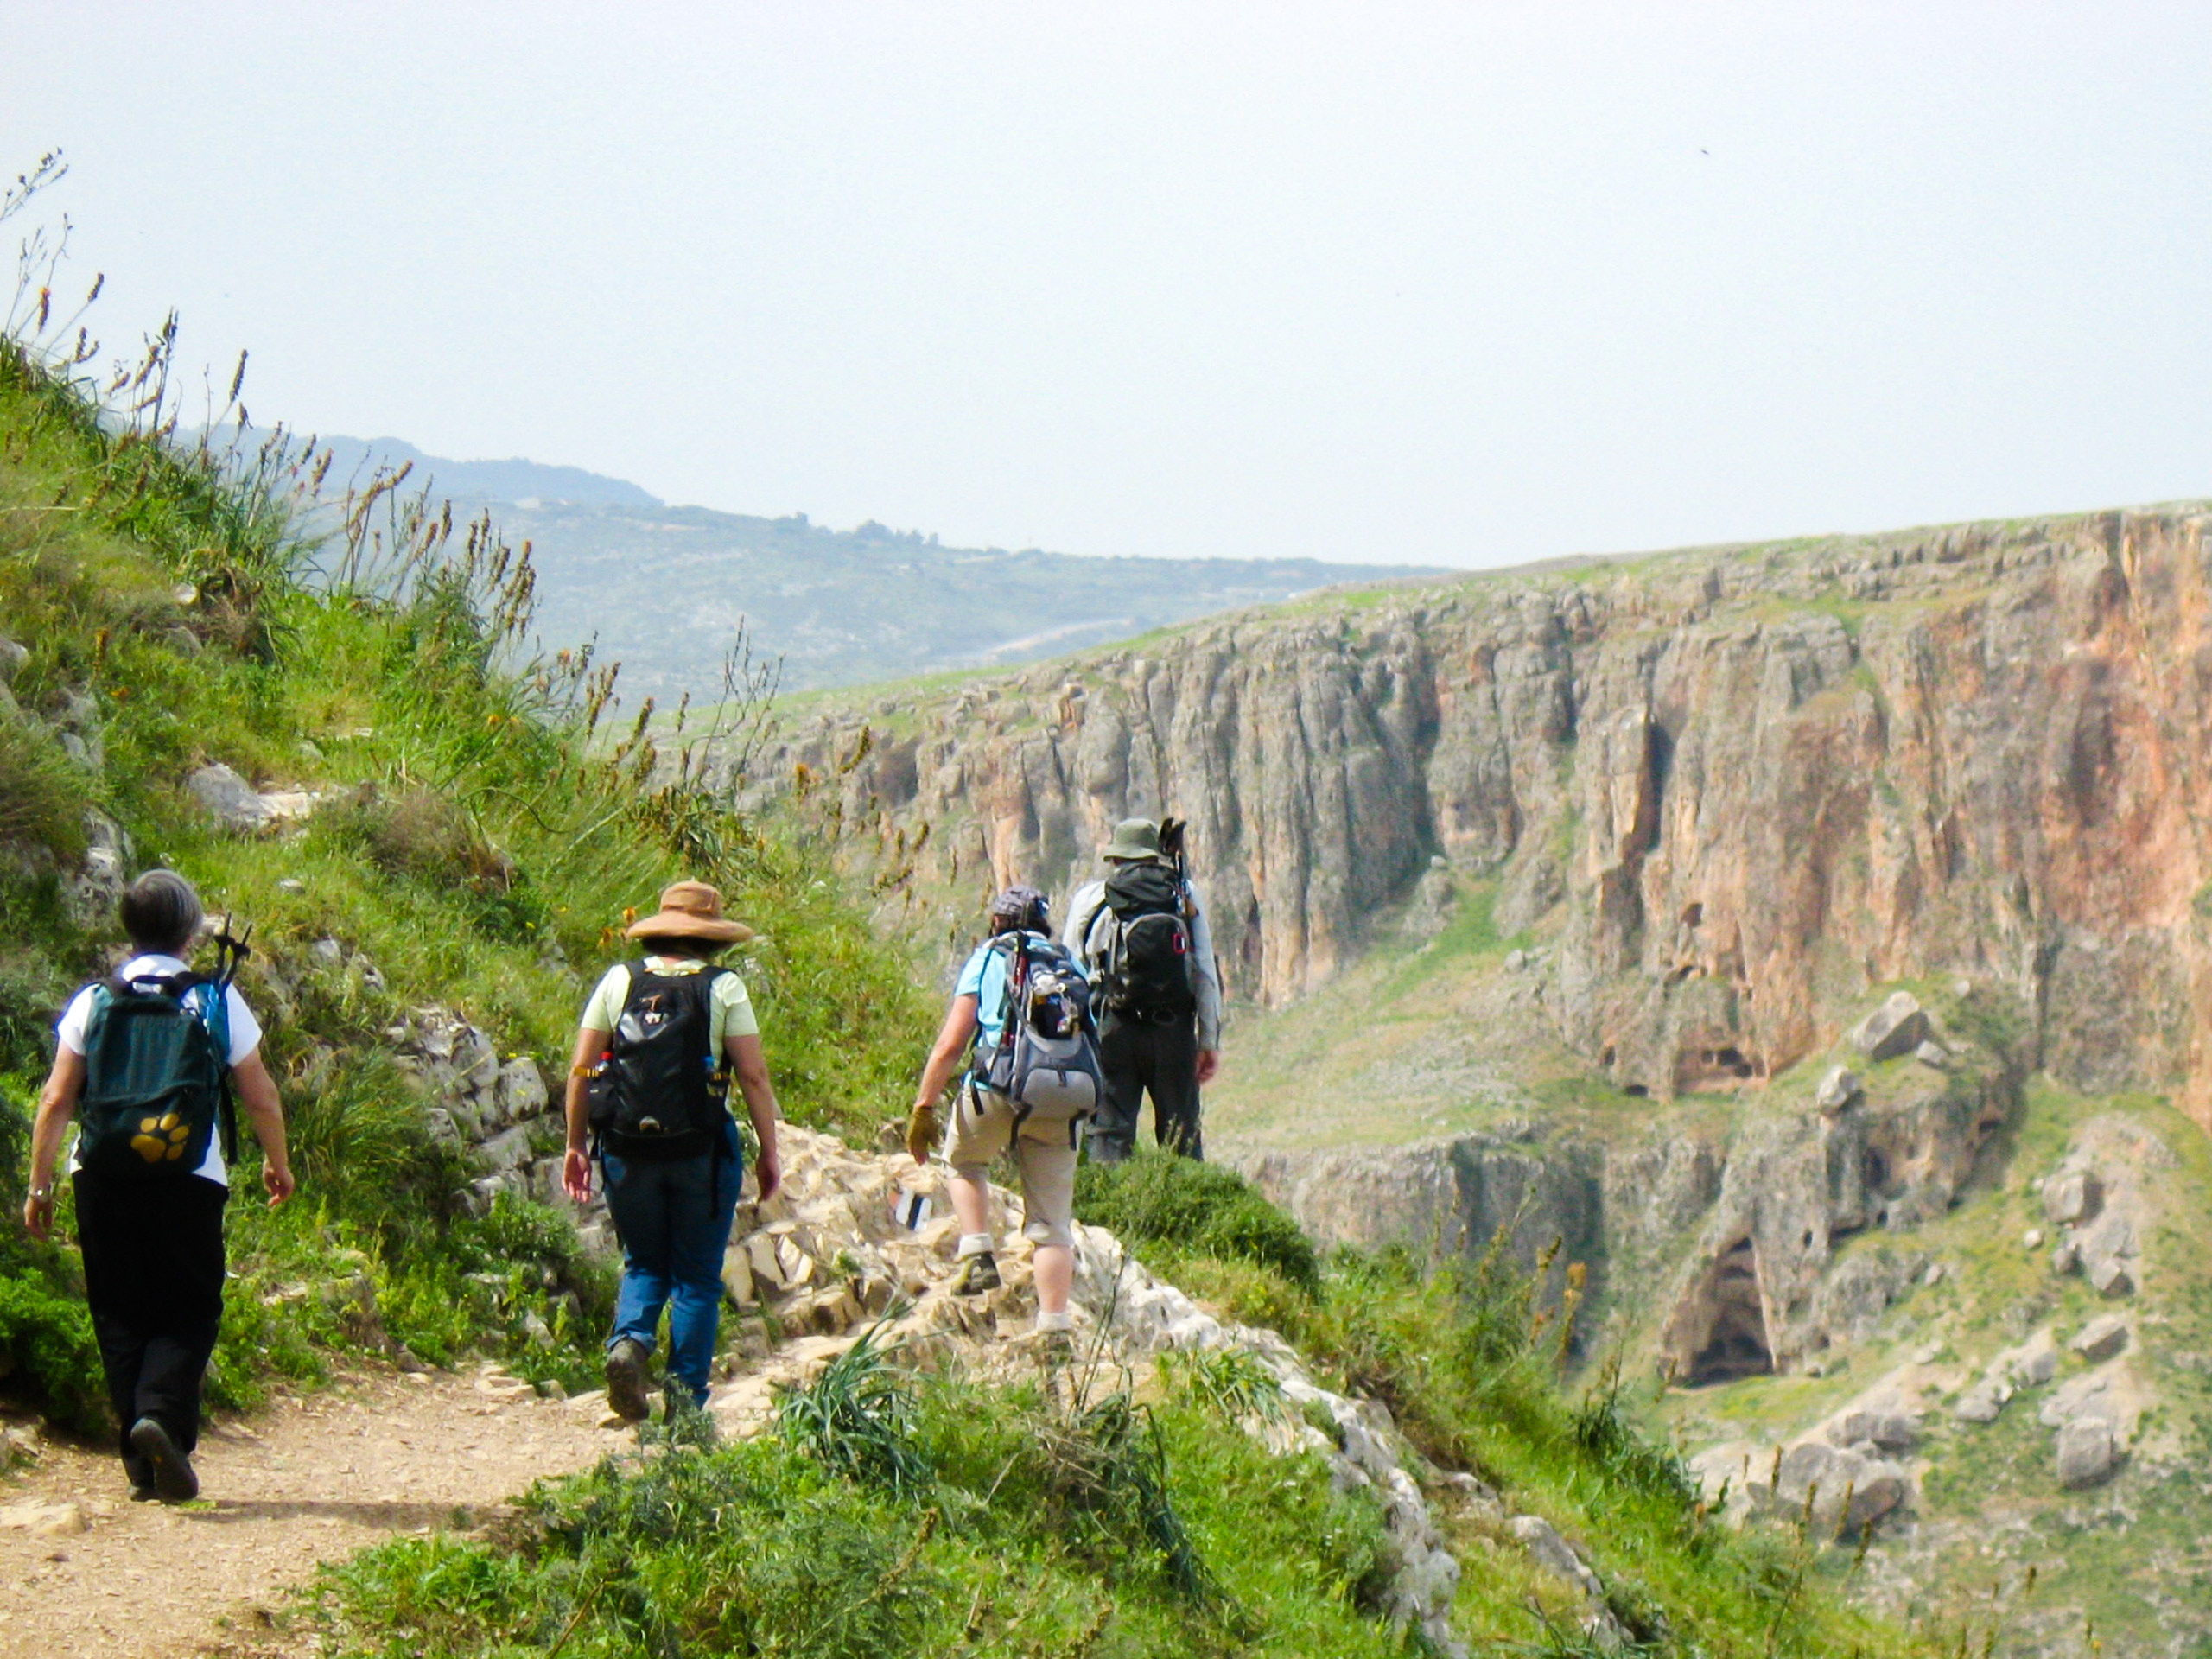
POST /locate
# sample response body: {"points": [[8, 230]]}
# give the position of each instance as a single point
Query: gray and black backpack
{"points": [[1046, 1061]]}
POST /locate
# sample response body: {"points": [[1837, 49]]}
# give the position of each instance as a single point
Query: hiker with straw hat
{"points": [[648, 1094]]}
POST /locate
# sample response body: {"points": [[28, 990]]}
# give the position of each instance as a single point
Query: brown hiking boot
{"points": [[626, 1380], [978, 1273]]}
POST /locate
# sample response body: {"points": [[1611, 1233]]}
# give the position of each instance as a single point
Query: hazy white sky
{"points": [[1464, 283]]}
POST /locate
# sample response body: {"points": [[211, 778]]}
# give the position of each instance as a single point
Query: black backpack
{"points": [[157, 1078], [1046, 1061], [660, 1092], [1145, 960]]}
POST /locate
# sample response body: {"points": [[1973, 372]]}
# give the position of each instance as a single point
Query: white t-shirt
{"points": [[245, 1037]]}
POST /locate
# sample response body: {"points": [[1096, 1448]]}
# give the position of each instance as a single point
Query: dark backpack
{"points": [[1145, 960], [157, 1078], [660, 1092], [1046, 1061]]}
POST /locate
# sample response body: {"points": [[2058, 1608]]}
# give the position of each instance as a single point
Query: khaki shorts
{"points": [[1043, 1156]]}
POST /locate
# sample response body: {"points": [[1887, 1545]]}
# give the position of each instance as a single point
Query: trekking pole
{"points": [[230, 952]]}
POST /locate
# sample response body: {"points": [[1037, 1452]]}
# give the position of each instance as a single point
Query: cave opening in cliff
{"points": [[1734, 1320]]}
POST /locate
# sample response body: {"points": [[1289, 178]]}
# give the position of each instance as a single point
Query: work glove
{"points": [[922, 1131]]}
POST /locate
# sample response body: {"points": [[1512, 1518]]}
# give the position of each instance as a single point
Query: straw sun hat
{"points": [[690, 909]]}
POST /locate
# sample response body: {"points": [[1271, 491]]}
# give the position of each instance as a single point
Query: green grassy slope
{"points": [[477, 851]]}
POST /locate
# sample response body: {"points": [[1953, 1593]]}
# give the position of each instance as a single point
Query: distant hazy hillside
{"points": [[664, 588], [664, 591], [515, 479]]}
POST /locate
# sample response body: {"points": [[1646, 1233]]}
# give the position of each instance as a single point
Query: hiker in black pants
{"points": [[1141, 934], [145, 1062]]}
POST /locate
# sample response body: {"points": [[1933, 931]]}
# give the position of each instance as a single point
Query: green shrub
{"points": [[47, 1335], [420, 833], [1196, 1208], [1605, 1433], [42, 793]]}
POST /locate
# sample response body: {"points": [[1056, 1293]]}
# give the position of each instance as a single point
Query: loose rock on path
{"points": [[301, 1481]]}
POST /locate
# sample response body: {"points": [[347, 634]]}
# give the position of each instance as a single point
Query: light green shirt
{"points": [[729, 1014]]}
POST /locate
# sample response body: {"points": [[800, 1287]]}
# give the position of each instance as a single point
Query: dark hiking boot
{"points": [[174, 1481], [978, 1273], [626, 1363], [140, 1473]]}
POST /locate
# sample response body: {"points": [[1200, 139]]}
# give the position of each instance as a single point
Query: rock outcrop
{"points": [[237, 806], [1739, 1235], [501, 1114], [1742, 786]]}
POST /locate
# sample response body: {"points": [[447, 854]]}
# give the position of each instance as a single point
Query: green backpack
{"points": [[157, 1078]]}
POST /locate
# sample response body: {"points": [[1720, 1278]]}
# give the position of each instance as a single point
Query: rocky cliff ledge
{"points": [[1717, 1241], [1736, 788]]}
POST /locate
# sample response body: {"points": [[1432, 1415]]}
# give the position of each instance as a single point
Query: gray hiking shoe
{"points": [[978, 1273], [174, 1481], [626, 1380]]}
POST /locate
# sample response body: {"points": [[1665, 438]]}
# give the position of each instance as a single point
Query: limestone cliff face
{"points": [[1737, 786]]}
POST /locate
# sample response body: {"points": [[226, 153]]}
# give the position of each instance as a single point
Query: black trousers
{"points": [[1140, 1059], [154, 1276]]}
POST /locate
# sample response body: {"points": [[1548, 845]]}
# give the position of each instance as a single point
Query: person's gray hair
{"points": [[160, 912]]}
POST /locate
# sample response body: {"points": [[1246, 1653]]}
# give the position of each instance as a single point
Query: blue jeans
{"points": [[674, 1218]]}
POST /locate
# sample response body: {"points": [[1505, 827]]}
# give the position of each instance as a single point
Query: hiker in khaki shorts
{"points": [[986, 1123]]}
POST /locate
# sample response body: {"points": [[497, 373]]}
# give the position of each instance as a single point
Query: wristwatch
{"points": [[40, 1194]]}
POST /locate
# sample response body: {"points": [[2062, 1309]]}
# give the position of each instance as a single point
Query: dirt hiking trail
{"points": [[88, 1574]]}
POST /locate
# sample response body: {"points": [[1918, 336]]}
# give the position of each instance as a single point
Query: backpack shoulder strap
{"points": [[1009, 947], [701, 990], [639, 971], [1090, 934], [102, 994]]}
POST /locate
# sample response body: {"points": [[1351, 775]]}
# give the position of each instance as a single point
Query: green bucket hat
{"points": [[1133, 839]]}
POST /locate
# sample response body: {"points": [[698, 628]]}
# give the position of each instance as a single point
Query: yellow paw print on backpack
{"points": [[161, 1139]]}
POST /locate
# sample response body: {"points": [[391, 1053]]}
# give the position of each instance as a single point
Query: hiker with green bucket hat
{"points": [[1141, 934]]}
